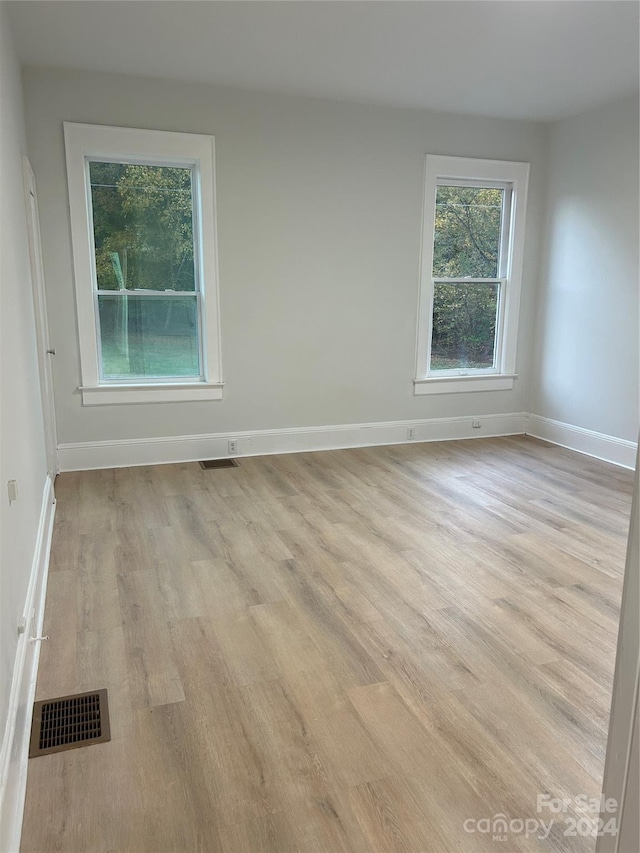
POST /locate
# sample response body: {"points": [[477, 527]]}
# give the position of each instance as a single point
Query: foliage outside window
{"points": [[471, 268], [144, 245], [466, 250]]}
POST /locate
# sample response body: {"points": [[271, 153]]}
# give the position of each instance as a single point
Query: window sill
{"points": [[455, 384], [183, 392]]}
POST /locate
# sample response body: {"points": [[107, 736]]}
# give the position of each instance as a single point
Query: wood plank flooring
{"points": [[351, 651]]}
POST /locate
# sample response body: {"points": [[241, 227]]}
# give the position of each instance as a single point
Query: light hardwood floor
{"points": [[343, 651]]}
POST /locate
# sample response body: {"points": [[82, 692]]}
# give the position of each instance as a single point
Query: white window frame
{"points": [[86, 142], [466, 171]]}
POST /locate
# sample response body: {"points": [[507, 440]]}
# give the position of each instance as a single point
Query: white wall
{"points": [[22, 451], [586, 352], [319, 207]]}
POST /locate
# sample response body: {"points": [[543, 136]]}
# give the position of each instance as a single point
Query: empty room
{"points": [[319, 364]]}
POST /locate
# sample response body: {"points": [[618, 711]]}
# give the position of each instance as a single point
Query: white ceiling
{"points": [[538, 59]]}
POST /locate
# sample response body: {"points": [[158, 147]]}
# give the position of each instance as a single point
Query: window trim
{"points": [[85, 142], [466, 171]]}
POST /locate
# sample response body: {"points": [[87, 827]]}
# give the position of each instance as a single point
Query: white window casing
{"points": [[465, 171], [83, 143]]}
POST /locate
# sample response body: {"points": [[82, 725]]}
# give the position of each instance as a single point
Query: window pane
{"points": [[142, 226], [464, 326], [467, 232], [149, 336]]}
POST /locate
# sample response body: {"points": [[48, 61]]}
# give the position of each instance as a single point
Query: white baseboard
{"points": [[15, 743], [190, 448], [619, 451], [123, 453]]}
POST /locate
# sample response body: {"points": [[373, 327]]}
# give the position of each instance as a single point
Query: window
{"points": [[143, 228], [472, 249]]}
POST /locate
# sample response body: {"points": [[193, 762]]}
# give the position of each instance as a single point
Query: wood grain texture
{"points": [[350, 651]]}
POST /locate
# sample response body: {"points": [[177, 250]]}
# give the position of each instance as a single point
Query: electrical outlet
{"points": [[233, 446], [12, 490], [476, 424], [411, 433]]}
